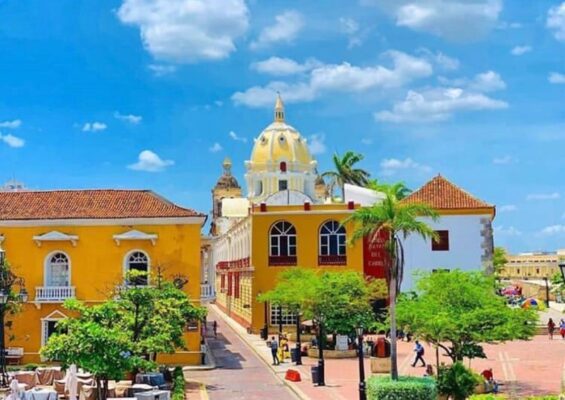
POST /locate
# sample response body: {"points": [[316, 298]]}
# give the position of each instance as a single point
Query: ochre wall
{"points": [[307, 226], [96, 266]]}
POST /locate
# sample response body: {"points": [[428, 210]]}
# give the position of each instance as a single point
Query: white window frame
{"points": [[289, 319], [334, 230], [47, 268], [54, 316], [126, 263], [283, 228]]}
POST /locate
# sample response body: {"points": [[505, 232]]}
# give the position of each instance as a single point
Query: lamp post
{"points": [[265, 332], [546, 292], [321, 341], [362, 393], [7, 297], [298, 344]]}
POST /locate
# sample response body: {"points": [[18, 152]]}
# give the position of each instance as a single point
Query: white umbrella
{"points": [[71, 382]]}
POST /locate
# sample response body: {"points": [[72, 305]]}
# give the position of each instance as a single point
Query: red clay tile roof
{"points": [[88, 204], [441, 194]]}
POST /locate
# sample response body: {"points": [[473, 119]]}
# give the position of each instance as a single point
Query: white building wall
{"points": [[466, 247]]}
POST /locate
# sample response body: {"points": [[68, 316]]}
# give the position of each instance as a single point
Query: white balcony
{"points": [[54, 294], [206, 292]]}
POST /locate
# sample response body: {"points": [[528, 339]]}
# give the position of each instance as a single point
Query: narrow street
{"points": [[240, 374]]}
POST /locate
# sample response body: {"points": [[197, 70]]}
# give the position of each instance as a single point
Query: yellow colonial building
{"points": [[80, 243], [533, 265], [284, 222]]}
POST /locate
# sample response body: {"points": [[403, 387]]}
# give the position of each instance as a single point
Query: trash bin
{"points": [[315, 374], [294, 354]]}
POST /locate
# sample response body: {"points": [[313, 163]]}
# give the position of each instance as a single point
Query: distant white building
{"points": [[464, 228]]}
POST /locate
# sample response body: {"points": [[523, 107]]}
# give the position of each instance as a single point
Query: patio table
{"points": [[41, 394]]}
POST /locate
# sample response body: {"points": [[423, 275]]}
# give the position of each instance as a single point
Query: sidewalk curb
{"points": [[236, 328], [209, 356]]}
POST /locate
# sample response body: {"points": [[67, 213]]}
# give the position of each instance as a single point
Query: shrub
{"points": [[178, 384], [456, 381], [405, 388], [488, 397]]}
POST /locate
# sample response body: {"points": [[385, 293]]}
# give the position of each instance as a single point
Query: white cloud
{"points": [[367, 141], [284, 66], [508, 25], [553, 230], [438, 104], [317, 143], [94, 126], [489, 81], [12, 141], [556, 78], [441, 60], [286, 28], [507, 208], [520, 50], [237, 138], [457, 20], [187, 31], [556, 21], [390, 166], [350, 28], [543, 196], [510, 231], [216, 147], [132, 119], [162, 70], [343, 77], [16, 123], [150, 162], [502, 160]]}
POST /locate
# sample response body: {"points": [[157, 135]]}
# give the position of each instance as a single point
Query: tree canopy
{"points": [[499, 260], [458, 311], [346, 171], [343, 299]]}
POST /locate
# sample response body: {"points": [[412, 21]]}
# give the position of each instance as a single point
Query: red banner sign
{"points": [[375, 257]]}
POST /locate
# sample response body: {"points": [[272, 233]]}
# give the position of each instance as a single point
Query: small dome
{"points": [[279, 142], [227, 180]]}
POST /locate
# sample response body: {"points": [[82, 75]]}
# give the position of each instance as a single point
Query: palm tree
{"points": [[345, 171], [396, 220], [399, 189]]}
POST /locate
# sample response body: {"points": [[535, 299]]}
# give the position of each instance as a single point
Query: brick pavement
{"points": [[240, 373], [522, 367]]}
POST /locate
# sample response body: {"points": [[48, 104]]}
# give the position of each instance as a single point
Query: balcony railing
{"points": [[51, 294], [276, 261], [332, 260], [206, 291]]}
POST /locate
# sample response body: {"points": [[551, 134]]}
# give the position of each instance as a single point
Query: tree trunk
{"points": [[437, 359], [392, 310]]}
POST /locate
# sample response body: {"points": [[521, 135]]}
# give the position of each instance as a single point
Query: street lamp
{"points": [[362, 394], [7, 280], [321, 341], [265, 330]]}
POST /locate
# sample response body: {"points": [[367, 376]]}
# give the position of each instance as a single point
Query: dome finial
{"points": [[227, 166], [279, 109]]}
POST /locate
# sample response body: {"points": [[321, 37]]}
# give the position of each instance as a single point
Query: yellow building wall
{"points": [[307, 224], [96, 266]]}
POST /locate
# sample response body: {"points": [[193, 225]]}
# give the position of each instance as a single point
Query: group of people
{"points": [[551, 328], [280, 349]]}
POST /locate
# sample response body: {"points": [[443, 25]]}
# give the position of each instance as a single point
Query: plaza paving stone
{"points": [[522, 367]]}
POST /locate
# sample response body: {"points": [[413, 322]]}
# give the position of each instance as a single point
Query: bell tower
{"points": [[226, 187]]}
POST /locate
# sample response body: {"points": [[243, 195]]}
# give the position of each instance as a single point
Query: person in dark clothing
{"points": [[419, 350], [215, 326], [275, 351]]}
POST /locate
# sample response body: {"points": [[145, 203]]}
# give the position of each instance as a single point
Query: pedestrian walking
{"points": [[419, 350], [203, 352], [215, 327], [550, 328], [275, 351], [562, 328]]}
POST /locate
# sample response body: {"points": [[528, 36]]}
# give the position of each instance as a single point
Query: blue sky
{"points": [[154, 94]]}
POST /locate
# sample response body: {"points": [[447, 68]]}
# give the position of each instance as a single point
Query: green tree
{"points": [[396, 220], [399, 189], [342, 298], [346, 172], [457, 311], [95, 340], [499, 260]]}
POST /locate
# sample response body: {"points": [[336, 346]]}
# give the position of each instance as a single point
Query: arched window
{"points": [[282, 244], [332, 244], [138, 261], [57, 271]]}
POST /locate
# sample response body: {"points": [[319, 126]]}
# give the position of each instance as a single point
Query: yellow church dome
{"points": [[280, 142]]}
